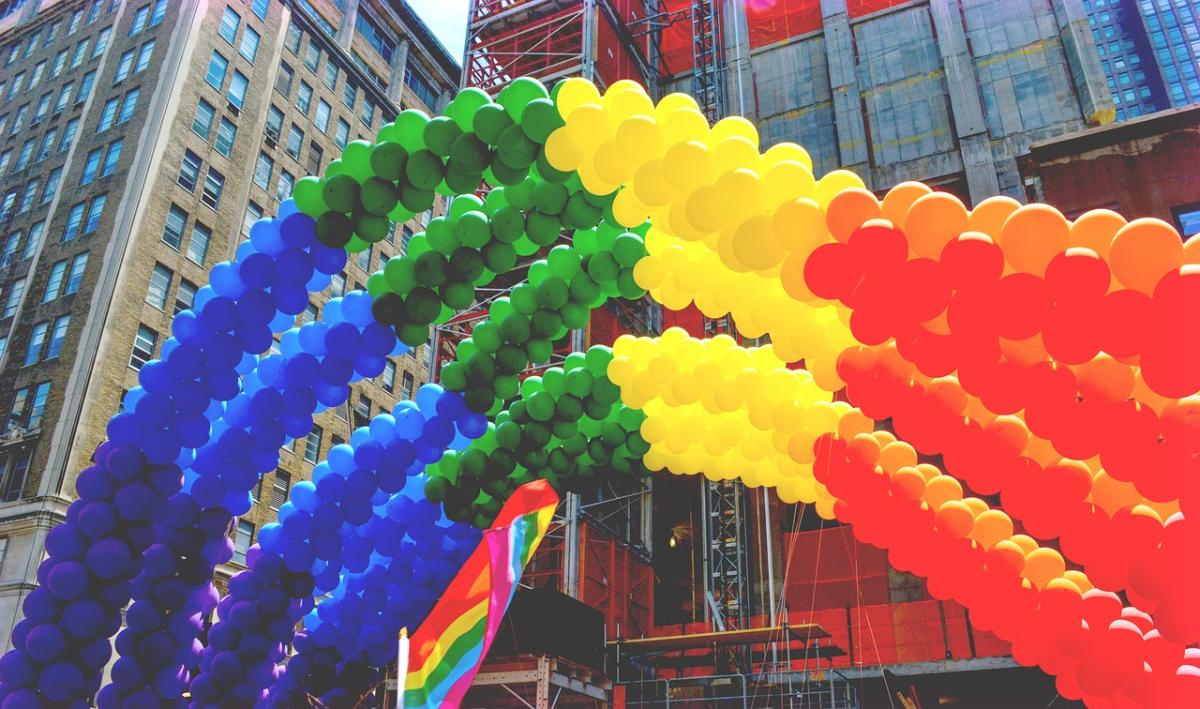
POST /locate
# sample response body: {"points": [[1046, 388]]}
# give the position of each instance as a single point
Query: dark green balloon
{"points": [[519, 413], [470, 154], [603, 268], [524, 299], [466, 264], [628, 249], [511, 359], [568, 408], [579, 382], [543, 229], [548, 172], [636, 444], [516, 150], [341, 193], [459, 182], [499, 257], [552, 293], [605, 392], [430, 270], [334, 229], [575, 445], [414, 199], [481, 369], [478, 399], [372, 228], [490, 121], [515, 328], [413, 334], [627, 286], [539, 119], [506, 387], [457, 295], [564, 429], [440, 133], [423, 305], [507, 225], [486, 336], [539, 351], [473, 229], [436, 488], [388, 309], [549, 197], [574, 316], [583, 289], [388, 160], [424, 171], [580, 213], [545, 323], [378, 196], [520, 196], [454, 376], [506, 175], [541, 406]]}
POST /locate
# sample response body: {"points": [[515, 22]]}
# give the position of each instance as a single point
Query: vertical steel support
{"points": [[571, 547], [543, 683], [707, 58]]}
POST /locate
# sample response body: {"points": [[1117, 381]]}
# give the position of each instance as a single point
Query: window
{"points": [[5, 158], [143, 347], [362, 411], [111, 156], [312, 57], [331, 75], [217, 66], [312, 444], [214, 183], [281, 484], [253, 213], [293, 37], [237, 89], [73, 24], [368, 113], [19, 119], [309, 315], [420, 86], [143, 58], [274, 123], [189, 171], [315, 153], [37, 340], [286, 183], [85, 87], [42, 109], [173, 230], [74, 221], [337, 285], [128, 104], [341, 136], [198, 244], [1188, 220], [15, 468], [64, 97], [160, 11], [160, 284], [79, 53], [58, 336], [39, 404], [35, 238], [349, 95], [185, 296], [370, 30], [295, 141], [249, 46], [259, 7], [389, 376], [15, 87], [229, 25], [75, 278], [25, 154], [14, 298], [95, 211], [322, 119], [91, 165], [283, 82], [36, 77], [304, 97], [124, 67], [31, 190], [10, 248], [364, 258], [51, 187], [263, 170], [68, 135], [409, 385], [226, 133], [60, 63], [108, 115], [242, 540]]}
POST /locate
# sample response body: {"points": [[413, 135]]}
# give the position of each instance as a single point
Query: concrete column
{"points": [[345, 32], [739, 81], [399, 63], [1095, 98], [974, 142], [843, 84]]}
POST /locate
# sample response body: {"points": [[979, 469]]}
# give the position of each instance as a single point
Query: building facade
{"points": [[1150, 52], [139, 140]]}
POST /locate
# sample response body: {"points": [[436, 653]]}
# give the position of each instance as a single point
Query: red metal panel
{"points": [[539, 48], [690, 319], [770, 21], [857, 8]]}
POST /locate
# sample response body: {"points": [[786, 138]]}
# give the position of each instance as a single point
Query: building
{"points": [[1144, 166], [138, 142], [1150, 52]]}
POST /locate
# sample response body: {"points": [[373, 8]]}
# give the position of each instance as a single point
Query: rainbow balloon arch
{"points": [[1049, 362]]}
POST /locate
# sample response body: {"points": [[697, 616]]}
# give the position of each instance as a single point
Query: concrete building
{"points": [[138, 143], [1150, 52]]}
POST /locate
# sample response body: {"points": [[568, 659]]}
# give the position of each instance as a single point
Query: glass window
{"points": [[420, 86], [281, 484], [259, 7], [128, 104], [144, 55], [293, 37], [51, 187], [140, 18], [58, 336], [229, 25], [242, 540], [364, 258], [389, 375], [160, 11], [274, 123], [185, 296], [37, 340], [143, 347], [263, 170], [47, 144], [124, 66], [214, 183], [54, 283], [295, 141], [349, 94], [310, 314], [322, 120], [253, 213], [68, 135], [283, 82], [226, 134], [217, 66], [74, 221], [95, 211], [198, 244], [14, 298], [249, 46], [60, 63], [286, 182], [64, 97], [312, 444], [312, 57], [108, 114], [304, 97], [39, 404], [75, 276], [10, 248], [189, 171], [85, 87], [368, 113], [79, 53], [111, 157], [315, 154], [173, 230], [237, 89], [341, 136], [337, 285], [160, 284], [362, 411], [409, 383], [91, 165]]}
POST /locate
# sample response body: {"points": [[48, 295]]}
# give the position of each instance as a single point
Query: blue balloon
{"points": [[264, 234]]}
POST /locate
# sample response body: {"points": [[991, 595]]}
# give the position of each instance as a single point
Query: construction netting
{"points": [[614, 61], [770, 21]]}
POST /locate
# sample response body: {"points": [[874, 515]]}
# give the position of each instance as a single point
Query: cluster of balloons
{"points": [[1101, 651], [566, 426]]}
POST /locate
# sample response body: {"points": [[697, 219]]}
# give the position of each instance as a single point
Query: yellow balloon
{"points": [[561, 153], [785, 152], [588, 127], [787, 180], [733, 152], [628, 211], [639, 139], [833, 182], [739, 194], [735, 126], [651, 184], [573, 93], [610, 166], [755, 245], [799, 225], [675, 101], [687, 165], [684, 124]]}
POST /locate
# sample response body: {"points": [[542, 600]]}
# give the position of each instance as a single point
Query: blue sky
{"points": [[447, 19]]}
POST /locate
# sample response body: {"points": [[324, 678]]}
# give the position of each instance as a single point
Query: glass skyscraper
{"points": [[1150, 51]]}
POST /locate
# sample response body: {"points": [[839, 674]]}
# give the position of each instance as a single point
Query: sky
{"points": [[447, 19]]}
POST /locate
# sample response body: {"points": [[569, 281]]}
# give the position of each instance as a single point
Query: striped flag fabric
{"points": [[450, 645]]}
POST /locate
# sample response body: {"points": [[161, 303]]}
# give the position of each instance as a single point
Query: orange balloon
{"points": [[852, 423], [1026, 542], [1105, 379], [1191, 249], [942, 489], [1032, 236], [989, 215], [1080, 579], [908, 483], [791, 274], [1042, 565], [1112, 495], [949, 394], [1064, 584], [1026, 352], [1095, 230], [1010, 431], [991, 527], [977, 505], [956, 518], [1144, 251], [848, 210], [933, 221], [897, 455], [898, 199], [928, 470], [1006, 557]]}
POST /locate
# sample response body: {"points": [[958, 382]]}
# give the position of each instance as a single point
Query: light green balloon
{"points": [[307, 194], [357, 160], [531, 386], [465, 203], [377, 285], [356, 245], [410, 129], [462, 108], [517, 95]]}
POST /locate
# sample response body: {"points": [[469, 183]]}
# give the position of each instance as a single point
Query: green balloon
{"points": [[505, 387], [505, 175], [540, 119], [543, 229], [470, 154], [466, 264], [583, 289], [605, 392], [507, 225], [553, 381], [549, 198], [628, 286], [628, 249], [424, 170], [508, 434], [499, 257], [539, 351], [414, 199], [487, 336], [413, 334], [501, 309], [481, 369], [341, 193], [430, 270], [574, 316], [568, 408], [378, 196], [423, 304], [457, 295], [515, 150], [459, 182], [377, 284], [478, 399], [602, 267], [525, 247], [545, 323], [436, 488], [356, 158], [541, 406], [597, 358], [439, 133], [464, 203], [334, 229], [388, 160], [410, 129], [371, 228], [489, 121], [520, 196], [585, 241], [563, 262], [518, 94], [578, 382], [531, 386], [400, 213], [417, 245], [510, 361], [464, 106], [309, 198], [442, 235], [473, 230], [548, 172], [454, 376], [334, 168], [538, 271], [552, 293], [524, 299], [515, 329]]}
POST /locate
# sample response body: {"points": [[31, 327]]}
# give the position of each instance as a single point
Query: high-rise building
{"points": [[139, 141], [1150, 52]]}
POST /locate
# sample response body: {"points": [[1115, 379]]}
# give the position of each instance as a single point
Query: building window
{"points": [[331, 75], [214, 183], [389, 376], [91, 165], [58, 335], [85, 87], [68, 135], [337, 285], [312, 444], [127, 105], [315, 154], [293, 37], [144, 55], [123, 67], [283, 82], [160, 285], [304, 97], [259, 7], [253, 214], [286, 183], [295, 141], [274, 124], [312, 57], [281, 484], [322, 119], [14, 467], [189, 171], [242, 540], [229, 25], [1188, 220], [249, 46], [368, 113], [54, 283], [197, 249], [108, 114], [185, 296], [51, 187], [75, 276], [37, 340], [349, 95], [143, 347], [32, 241], [64, 97], [342, 135], [173, 230], [409, 385], [263, 170], [95, 212], [217, 66], [111, 156], [364, 258], [237, 89], [15, 289], [362, 411], [309, 315], [160, 11], [226, 134]]}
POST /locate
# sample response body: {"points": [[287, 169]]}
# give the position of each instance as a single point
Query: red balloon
{"points": [[1126, 318], [1023, 306], [877, 248], [830, 273], [924, 290], [1076, 275], [972, 262]]}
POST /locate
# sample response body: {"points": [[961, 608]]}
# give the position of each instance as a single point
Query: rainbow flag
{"points": [[447, 650]]}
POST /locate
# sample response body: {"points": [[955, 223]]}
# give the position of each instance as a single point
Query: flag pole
{"points": [[401, 666]]}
